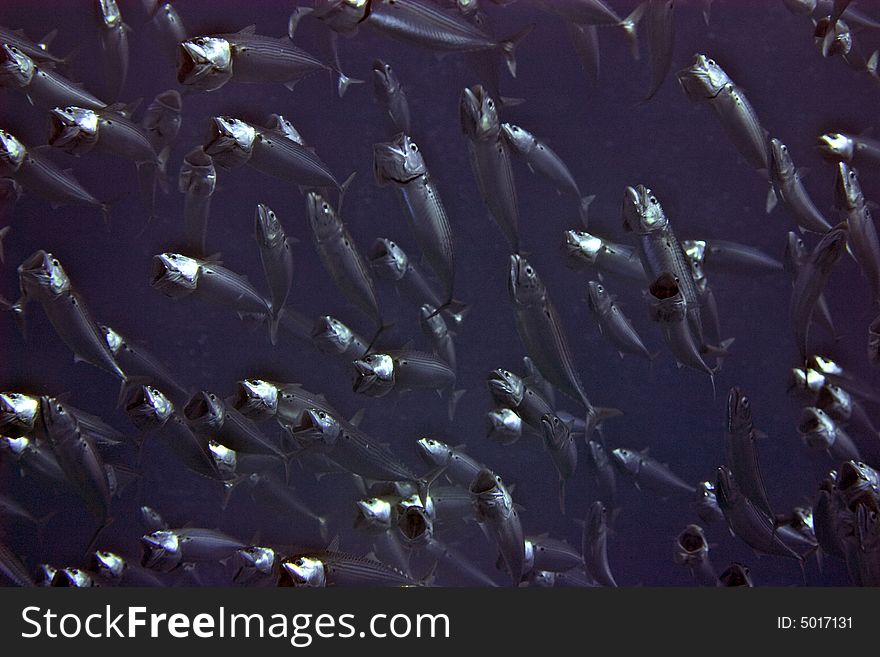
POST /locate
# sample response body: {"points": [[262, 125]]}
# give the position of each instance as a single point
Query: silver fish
{"points": [[505, 427], [597, 12], [559, 444], [540, 158], [649, 473], [496, 512], [277, 261], [116, 570], [707, 503], [391, 96], [166, 549], [197, 181], [114, 41], [787, 184], [458, 466], [810, 282], [819, 431], [602, 472], [401, 164], [269, 490], [736, 575], [594, 545], [162, 118], [692, 550], [660, 19], [334, 337], [583, 250], [490, 160], [742, 450], [613, 324], [731, 257], [42, 85], [340, 256], [138, 362], [862, 241], [210, 416], [705, 81], [435, 329], [168, 23], [38, 51], [36, 173], [261, 400], [852, 149], [32, 457], [332, 568], [13, 569], [255, 564], [279, 124], [796, 255], [230, 141]]}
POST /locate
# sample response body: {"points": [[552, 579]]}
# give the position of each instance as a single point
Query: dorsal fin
{"points": [[334, 544], [250, 29]]}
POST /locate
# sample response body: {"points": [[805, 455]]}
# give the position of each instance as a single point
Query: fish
{"points": [[810, 283], [505, 427], [103, 435], [819, 431], [585, 39], [660, 25], [114, 42], [612, 323], [162, 118], [551, 554], [230, 141], [746, 521], [401, 164], [602, 473], [166, 549], [852, 149], [42, 85], [511, 391], [140, 363], [277, 262], [38, 51], [256, 564], [582, 250], [326, 568], [541, 159], [207, 63], [13, 569], [43, 279], [708, 304], [648, 473], [495, 511], [391, 96], [341, 257], [559, 444], [795, 255], [334, 337], [704, 81], [825, 517], [376, 374], [540, 329], [787, 183], [731, 257], [458, 466], [278, 124], [261, 400], [78, 130], [706, 503], [269, 490], [37, 174], [827, 370], [862, 241], [116, 570], [742, 450], [692, 550], [594, 545], [490, 160], [598, 13], [35, 458], [170, 28], [736, 574], [435, 329], [197, 181]]}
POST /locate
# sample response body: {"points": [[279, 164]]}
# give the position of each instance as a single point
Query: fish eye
{"points": [[212, 397], [490, 104], [653, 200], [529, 271], [852, 175], [325, 206], [783, 148], [711, 62], [55, 262], [413, 148]]}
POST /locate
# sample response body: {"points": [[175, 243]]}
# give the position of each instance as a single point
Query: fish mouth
{"points": [[170, 100], [692, 541], [365, 376], [735, 575], [413, 523], [198, 408], [665, 286], [380, 249], [158, 269], [483, 483], [197, 157]]}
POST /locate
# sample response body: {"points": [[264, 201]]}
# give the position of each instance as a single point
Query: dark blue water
{"points": [[609, 140]]}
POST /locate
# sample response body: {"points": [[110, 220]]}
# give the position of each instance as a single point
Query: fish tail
{"points": [[3, 233], [630, 25], [323, 529], [105, 523], [871, 66], [274, 320], [343, 188], [584, 209], [508, 48], [454, 396], [162, 165], [344, 82]]}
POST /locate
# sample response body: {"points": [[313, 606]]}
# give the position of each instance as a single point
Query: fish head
{"points": [[74, 130], [174, 275], [847, 189], [374, 375], [706, 494], [12, 153], [467, 7], [256, 399], [163, 115], [597, 455], [225, 458], [57, 419], [781, 163], [303, 571], [432, 322], [323, 218], [148, 408], [703, 79], [627, 460], [205, 412], [169, 100], [331, 335], [524, 284], [695, 250], [115, 342], [479, 114], [108, 14], [342, 15], [580, 246], [204, 63], [435, 452], [317, 427], [795, 253], [557, 434], [277, 123], [835, 401], [598, 298], [739, 412], [388, 260], [269, 231], [833, 38], [41, 276], [16, 68], [805, 381], [254, 560], [415, 526], [736, 575], [596, 523], [198, 176], [398, 162], [642, 212], [691, 545], [542, 579], [108, 564], [520, 140], [161, 550], [858, 484], [18, 413], [802, 518], [835, 146], [151, 519], [71, 578], [230, 141], [801, 7], [373, 512], [825, 365], [727, 491], [490, 497], [507, 388], [385, 82], [16, 447], [504, 426]]}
